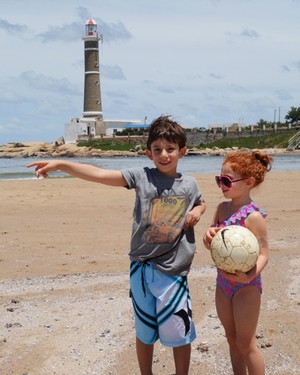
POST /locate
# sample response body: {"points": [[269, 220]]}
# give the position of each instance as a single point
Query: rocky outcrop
{"points": [[215, 151], [60, 150], [57, 150]]}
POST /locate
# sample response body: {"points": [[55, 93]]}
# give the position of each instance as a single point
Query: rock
{"points": [[203, 347], [266, 344], [60, 141], [138, 148], [59, 149], [18, 144]]}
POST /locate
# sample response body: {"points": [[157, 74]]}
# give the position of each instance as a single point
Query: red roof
{"points": [[90, 21]]}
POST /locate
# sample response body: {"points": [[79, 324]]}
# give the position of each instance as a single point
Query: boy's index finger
{"points": [[35, 163], [32, 164]]}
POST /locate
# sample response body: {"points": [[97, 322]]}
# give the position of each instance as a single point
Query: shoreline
{"points": [[15, 168], [47, 150]]}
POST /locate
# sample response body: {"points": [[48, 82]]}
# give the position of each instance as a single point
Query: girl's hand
{"points": [[209, 235], [238, 276]]}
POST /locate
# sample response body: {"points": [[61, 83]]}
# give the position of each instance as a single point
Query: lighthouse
{"points": [[91, 124], [92, 104]]}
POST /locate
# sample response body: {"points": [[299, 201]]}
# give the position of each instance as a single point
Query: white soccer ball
{"points": [[234, 248]]}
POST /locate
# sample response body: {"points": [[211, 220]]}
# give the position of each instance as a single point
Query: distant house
{"points": [[226, 127], [85, 128]]}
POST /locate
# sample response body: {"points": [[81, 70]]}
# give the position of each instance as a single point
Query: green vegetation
{"points": [[293, 115], [107, 144], [279, 140], [126, 132]]}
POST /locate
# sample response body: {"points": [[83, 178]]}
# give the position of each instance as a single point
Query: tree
{"points": [[261, 123], [293, 115]]}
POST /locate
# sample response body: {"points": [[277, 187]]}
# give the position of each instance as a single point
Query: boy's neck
{"points": [[172, 175]]}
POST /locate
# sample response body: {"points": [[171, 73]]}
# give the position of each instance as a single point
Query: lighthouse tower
{"points": [[92, 107], [91, 123]]}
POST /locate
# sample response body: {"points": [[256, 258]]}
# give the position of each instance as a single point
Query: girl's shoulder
{"points": [[250, 208]]}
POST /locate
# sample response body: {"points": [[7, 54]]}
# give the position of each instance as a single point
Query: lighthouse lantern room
{"points": [[91, 27]]}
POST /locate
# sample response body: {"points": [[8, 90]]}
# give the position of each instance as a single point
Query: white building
{"points": [[226, 126], [84, 128]]}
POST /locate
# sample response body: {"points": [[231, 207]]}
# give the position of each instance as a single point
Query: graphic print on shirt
{"points": [[166, 219]]}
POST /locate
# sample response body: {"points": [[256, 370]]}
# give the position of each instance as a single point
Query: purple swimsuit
{"points": [[229, 287]]}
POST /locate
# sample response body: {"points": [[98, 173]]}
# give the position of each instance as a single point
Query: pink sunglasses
{"points": [[227, 181]]}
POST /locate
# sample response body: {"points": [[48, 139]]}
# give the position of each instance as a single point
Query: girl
{"points": [[238, 295]]}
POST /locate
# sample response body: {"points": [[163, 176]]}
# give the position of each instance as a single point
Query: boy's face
{"points": [[165, 156]]}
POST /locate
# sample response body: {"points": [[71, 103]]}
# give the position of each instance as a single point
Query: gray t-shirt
{"points": [[161, 206]]}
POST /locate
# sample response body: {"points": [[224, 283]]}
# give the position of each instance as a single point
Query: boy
{"points": [[168, 206]]}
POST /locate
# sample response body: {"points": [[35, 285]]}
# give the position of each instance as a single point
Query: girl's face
{"points": [[235, 186], [165, 156]]}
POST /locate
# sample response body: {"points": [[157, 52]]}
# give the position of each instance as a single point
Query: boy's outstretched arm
{"points": [[84, 171]]}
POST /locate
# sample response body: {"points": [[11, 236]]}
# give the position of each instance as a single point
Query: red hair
{"points": [[250, 164]]}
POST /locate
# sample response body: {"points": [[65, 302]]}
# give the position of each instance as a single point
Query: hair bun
{"points": [[264, 159]]}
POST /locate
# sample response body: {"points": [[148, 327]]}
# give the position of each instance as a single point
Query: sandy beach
{"points": [[65, 307]]}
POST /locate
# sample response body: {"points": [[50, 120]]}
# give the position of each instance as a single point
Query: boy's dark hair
{"points": [[165, 128]]}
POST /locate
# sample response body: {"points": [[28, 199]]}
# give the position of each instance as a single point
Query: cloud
{"points": [[12, 28], [71, 32], [112, 72], [113, 32], [258, 106], [148, 82], [239, 89], [117, 94], [166, 90], [49, 84], [297, 65], [283, 95], [8, 96], [216, 76], [83, 13], [66, 33], [250, 33], [245, 33]]}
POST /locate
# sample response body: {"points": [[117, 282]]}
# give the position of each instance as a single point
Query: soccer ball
{"points": [[234, 248]]}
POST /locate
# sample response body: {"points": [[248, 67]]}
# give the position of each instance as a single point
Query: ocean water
{"points": [[15, 168]]}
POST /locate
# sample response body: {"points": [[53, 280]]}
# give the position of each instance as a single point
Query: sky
{"points": [[203, 62]]}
